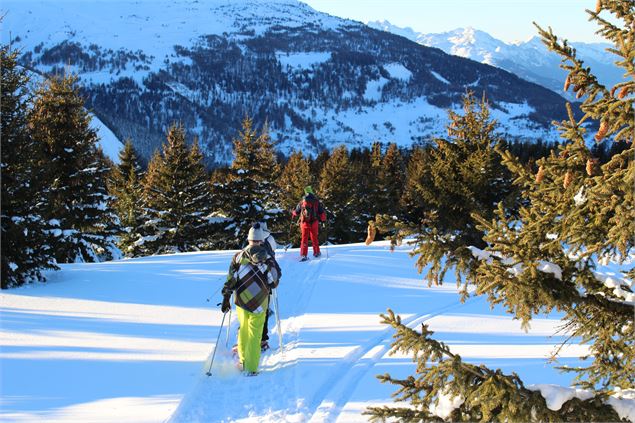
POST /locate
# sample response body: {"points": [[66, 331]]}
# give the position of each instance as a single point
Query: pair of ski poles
{"points": [[220, 330]]}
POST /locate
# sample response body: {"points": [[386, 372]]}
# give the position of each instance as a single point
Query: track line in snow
{"points": [[339, 387]]}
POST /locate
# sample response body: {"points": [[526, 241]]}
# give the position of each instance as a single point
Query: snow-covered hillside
{"points": [[317, 80], [528, 59], [128, 340]]}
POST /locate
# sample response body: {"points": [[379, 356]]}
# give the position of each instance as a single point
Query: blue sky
{"points": [[507, 20]]}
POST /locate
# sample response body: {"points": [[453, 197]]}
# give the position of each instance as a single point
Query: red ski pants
{"points": [[312, 230]]}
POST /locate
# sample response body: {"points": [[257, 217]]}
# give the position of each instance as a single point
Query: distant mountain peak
{"points": [[528, 59]]}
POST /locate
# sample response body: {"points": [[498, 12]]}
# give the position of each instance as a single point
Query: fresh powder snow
{"points": [[131, 340]]}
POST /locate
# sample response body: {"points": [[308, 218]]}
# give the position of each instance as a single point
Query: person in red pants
{"points": [[311, 212]]}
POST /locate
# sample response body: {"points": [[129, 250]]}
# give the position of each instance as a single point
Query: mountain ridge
{"points": [[317, 80], [528, 59]]}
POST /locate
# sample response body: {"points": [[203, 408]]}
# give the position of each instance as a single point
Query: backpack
{"points": [[309, 210]]}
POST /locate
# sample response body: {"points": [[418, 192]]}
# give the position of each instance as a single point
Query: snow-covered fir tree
{"points": [[249, 190], [75, 177], [177, 199], [26, 234], [574, 215], [124, 185]]}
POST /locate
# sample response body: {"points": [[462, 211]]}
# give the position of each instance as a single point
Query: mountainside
{"points": [[529, 60], [127, 340], [317, 80]]}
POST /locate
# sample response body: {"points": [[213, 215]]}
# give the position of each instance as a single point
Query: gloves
{"points": [[226, 305]]}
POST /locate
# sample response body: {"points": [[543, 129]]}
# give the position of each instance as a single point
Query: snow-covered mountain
{"points": [[127, 340], [317, 80], [529, 60]]}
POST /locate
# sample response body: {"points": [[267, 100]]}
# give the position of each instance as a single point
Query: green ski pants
{"points": [[249, 337]]}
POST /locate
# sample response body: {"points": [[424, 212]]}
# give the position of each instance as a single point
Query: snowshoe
{"points": [[264, 346], [316, 255], [251, 373], [304, 258]]}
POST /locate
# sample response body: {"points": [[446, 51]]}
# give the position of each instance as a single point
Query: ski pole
{"points": [[326, 232], [209, 371], [275, 302], [229, 324]]}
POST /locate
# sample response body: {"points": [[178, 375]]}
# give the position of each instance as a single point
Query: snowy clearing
{"points": [[128, 340]]}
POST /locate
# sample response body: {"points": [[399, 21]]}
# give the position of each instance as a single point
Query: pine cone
{"points": [[598, 6], [564, 154], [540, 175], [604, 128], [580, 93], [567, 83], [622, 93], [592, 166], [568, 178]]}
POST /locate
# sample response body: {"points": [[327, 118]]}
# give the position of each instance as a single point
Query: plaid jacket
{"points": [[252, 274]]}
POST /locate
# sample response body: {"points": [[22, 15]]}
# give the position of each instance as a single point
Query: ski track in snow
{"points": [[222, 384], [335, 393], [297, 284]]}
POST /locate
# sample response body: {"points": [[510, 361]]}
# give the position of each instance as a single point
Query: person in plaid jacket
{"points": [[253, 273]]}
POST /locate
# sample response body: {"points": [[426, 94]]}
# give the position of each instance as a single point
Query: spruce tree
{"points": [[336, 193], [575, 216], [366, 194], [462, 175], [392, 175], [26, 235], [177, 199], [295, 176], [125, 187], [75, 178], [250, 192]]}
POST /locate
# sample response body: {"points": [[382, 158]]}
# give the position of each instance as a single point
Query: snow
{"points": [[446, 405], [303, 60], [130, 340], [439, 77], [374, 88], [555, 395], [130, 25], [398, 71]]}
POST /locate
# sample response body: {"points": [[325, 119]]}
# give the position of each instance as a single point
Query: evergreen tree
{"points": [[575, 215], [336, 188], [127, 191], [462, 175], [75, 179], [365, 195], [295, 176], [392, 175], [25, 233], [177, 199], [480, 394], [410, 202], [250, 191]]}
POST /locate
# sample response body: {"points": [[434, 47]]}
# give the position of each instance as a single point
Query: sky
{"points": [[507, 20]]}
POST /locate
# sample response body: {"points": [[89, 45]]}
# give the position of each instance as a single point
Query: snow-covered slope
{"points": [[528, 59], [318, 80], [128, 340], [108, 142]]}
